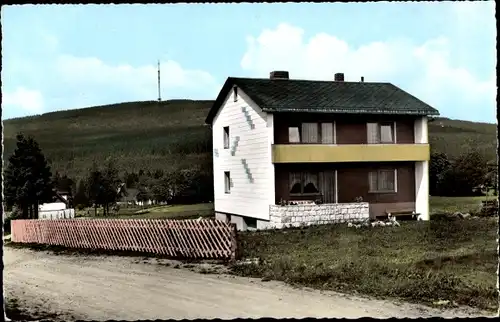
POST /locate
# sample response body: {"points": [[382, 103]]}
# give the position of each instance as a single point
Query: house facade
{"points": [[321, 146]]}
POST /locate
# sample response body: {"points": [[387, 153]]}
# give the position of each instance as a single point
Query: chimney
{"points": [[279, 74], [362, 79], [339, 77]]}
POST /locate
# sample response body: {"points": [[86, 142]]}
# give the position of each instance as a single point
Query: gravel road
{"points": [[131, 288]]}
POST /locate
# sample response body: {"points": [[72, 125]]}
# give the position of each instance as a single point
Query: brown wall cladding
{"points": [[351, 129], [352, 181], [191, 239]]}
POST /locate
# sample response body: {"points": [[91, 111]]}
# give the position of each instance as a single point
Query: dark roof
{"points": [[131, 194], [280, 95], [59, 196]]}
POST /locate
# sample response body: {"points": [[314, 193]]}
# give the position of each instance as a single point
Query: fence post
{"points": [[234, 243]]}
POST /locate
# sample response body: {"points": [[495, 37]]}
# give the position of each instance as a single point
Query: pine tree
{"points": [[27, 178], [80, 199]]}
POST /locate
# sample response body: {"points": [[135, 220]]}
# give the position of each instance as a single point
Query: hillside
{"points": [[171, 135]]}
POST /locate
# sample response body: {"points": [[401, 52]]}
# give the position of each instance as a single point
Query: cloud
{"points": [[422, 69], [30, 101], [139, 81], [69, 82], [44, 78]]}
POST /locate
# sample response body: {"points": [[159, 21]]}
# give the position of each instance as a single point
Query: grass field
{"points": [[419, 261], [454, 204], [161, 212]]}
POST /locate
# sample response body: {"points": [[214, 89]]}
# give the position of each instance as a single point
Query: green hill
{"points": [[171, 135]]}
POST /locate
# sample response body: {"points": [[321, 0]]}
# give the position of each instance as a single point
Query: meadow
{"points": [[449, 263]]}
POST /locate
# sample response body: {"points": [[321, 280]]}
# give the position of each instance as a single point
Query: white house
{"points": [[342, 150]]}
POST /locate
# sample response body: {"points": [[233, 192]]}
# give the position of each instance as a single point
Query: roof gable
{"points": [[279, 95]]}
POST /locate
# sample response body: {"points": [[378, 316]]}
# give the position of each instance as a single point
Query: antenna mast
{"points": [[159, 92]]}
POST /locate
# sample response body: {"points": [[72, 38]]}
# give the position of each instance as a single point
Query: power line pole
{"points": [[159, 92]]}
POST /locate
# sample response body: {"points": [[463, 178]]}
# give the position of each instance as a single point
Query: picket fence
{"points": [[193, 239]]}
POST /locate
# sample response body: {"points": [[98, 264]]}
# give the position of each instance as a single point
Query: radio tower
{"points": [[159, 92]]}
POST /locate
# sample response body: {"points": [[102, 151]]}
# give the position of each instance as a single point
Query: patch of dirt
{"points": [[134, 288]]}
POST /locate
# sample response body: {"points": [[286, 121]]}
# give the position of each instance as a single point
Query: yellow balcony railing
{"points": [[308, 153]]}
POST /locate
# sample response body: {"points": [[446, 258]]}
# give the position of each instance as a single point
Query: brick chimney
{"points": [[279, 74], [339, 77]]}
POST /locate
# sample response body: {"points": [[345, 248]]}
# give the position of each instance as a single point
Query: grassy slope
{"points": [[152, 135]]}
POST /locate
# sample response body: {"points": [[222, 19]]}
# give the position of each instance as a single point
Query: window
{"points": [[293, 135], [327, 133], [382, 181], [227, 182], [235, 93], [312, 133], [378, 133], [226, 137], [304, 183]]}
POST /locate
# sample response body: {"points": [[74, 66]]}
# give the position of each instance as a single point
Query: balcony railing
{"points": [[309, 153]]}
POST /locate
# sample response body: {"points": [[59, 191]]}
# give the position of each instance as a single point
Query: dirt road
{"points": [[128, 288]]}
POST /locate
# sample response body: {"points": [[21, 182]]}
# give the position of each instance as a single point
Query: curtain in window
{"points": [[372, 133], [327, 133], [372, 181], [386, 133], [295, 182], [293, 135], [386, 180], [327, 186], [310, 132], [227, 182], [226, 138], [310, 182]]}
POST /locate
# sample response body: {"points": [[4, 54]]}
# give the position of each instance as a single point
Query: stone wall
{"points": [[298, 215]]}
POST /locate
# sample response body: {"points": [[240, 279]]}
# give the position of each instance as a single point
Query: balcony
{"points": [[310, 153]]}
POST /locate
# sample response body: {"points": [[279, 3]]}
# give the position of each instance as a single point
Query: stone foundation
{"points": [[305, 215]]}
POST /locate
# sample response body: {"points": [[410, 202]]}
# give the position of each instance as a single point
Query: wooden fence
{"points": [[193, 239]]}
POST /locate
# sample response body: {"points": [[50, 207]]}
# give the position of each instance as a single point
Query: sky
{"points": [[58, 57]]}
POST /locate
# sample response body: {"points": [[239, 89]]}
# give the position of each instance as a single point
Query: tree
{"points": [[130, 179], [143, 189], [94, 188], [160, 189], [465, 177], [80, 198], [27, 177], [110, 185], [438, 165], [102, 186], [492, 178]]}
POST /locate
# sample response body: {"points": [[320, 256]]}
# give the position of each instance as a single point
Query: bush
{"points": [[80, 207]]}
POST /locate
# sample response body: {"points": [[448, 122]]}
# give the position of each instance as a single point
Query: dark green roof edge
{"points": [[354, 111], [231, 81]]}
